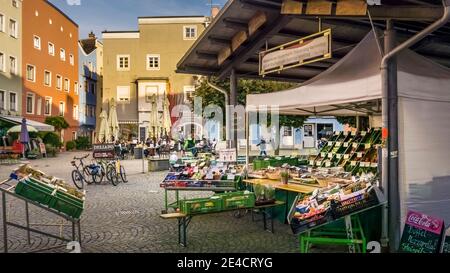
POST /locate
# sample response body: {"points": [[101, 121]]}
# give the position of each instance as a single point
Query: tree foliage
{"points": [[245, 86], [58, 122]]}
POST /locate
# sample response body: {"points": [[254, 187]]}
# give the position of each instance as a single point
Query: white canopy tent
{"points": [[424, 116]]}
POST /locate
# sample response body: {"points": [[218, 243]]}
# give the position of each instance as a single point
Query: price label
{"points": [[353, 163], [337, 133], [330, 155], [323, 154], [358, 155], [367, 145], [233, 171], [374, 165], [311, 162], [338, 156], [338, 144], [355, 145], [346, 144], [328, 164], [230, 177], [353, 133], [330, 143], [346, 156], [318, 163], [363, 133]]}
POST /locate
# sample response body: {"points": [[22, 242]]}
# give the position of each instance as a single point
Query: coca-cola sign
{"points": [[423, 221]]}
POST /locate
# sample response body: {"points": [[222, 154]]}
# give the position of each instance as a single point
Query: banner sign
{"points": [[103, 151], [422, 234], [307, 50]]}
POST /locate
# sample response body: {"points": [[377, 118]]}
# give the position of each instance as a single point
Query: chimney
{"points": [[92, 35], [215, 9]]}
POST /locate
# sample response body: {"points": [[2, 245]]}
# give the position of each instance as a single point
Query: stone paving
{"points": [[126, 219]]}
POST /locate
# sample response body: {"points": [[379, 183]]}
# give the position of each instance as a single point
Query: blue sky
{"points": [[100, 15]]}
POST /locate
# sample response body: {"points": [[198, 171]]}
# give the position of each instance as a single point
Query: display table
{"points": [[184, 219], [285, 193]]}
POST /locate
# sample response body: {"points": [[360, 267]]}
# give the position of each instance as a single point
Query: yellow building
{"points": [[141, 64]]}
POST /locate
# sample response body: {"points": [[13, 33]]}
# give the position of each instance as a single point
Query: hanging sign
{"points": [[307, 50], [422, 233]]}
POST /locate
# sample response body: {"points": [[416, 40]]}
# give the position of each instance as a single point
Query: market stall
{"points": [[353, 87]]}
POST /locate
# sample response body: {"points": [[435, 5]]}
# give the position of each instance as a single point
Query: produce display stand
{"points": [[232, 185], [7, 188], [285, 193], [184, 219], [346, 230]]}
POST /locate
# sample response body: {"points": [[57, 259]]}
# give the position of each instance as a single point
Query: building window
{"points": [[2, 62], [51, 49], [62, 108], [189, 93], [13, 28], [76, 88], [123, 62], [12, 101], [30, 103], [153, 62], [71, 59], [31, 73], [39, 107], [62, 54], [58, 82], [287, 131], [47, 78], [2, 22], [15, 3], [13, 65], [48, 106], [190, 32], [2, 100], [75, 112], [123, 94], [66, 85], [37, 42], [93, 88]]}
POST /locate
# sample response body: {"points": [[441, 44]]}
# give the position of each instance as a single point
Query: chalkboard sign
{"points": [[103, 151], [422, 234]]}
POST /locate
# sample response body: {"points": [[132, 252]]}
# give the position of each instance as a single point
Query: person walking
{"points": [[262, 147]]}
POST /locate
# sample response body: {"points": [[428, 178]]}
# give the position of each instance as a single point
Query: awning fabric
{"points": [[42, 127], [424, 116]]}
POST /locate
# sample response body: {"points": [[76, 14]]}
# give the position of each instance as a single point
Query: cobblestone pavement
{"points": [[126, 219]]}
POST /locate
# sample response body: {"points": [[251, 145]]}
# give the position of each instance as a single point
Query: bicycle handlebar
{"points": [[81, 158]]}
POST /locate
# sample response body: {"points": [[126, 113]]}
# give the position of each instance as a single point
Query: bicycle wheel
{"points": [[97, 175], [88, 173], [77, 179], [123, 175], [108, 171], [114, 177]]}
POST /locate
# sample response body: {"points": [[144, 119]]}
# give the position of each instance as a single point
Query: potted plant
{"points": [[284, 175]]}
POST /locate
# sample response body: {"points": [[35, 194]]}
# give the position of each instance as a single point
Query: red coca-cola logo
{"points": [[424, 221]]}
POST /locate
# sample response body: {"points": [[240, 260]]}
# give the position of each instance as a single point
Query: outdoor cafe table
{"points": [[286, 193]]}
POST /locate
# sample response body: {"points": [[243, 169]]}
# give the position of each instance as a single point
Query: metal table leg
{"points": [[183, 224], [79, 232], [27, 215], [5, 227], [73, 232]]}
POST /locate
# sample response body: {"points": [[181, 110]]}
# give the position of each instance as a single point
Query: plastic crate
{"points": [[67, 204], [201, 205], [298, 226], [234, 200], [340, 209], [34, 192]]}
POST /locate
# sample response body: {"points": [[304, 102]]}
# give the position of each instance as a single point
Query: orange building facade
{"points": [[50, 65]]}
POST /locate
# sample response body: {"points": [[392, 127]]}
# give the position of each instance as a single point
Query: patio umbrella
{"points": [[113, 123], [103, 132], [167, 124], [154, 117], [18, 129]]}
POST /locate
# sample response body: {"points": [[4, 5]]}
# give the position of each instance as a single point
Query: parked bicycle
{"points": [[82, 172], [113, 171]]}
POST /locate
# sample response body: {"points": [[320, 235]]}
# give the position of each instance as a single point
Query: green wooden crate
{"points": [[34, 192], [67, 204], [201, 205]]}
